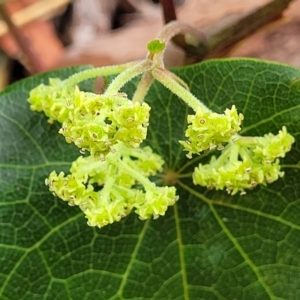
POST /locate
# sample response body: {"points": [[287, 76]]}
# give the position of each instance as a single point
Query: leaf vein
{"points": [[27, 134], [181, 254]]}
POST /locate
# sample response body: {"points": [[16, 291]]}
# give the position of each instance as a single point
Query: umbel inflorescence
{"points": [[113, 175]]}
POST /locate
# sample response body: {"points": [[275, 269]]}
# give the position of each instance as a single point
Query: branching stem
{"points": [[148, 185], [127, 75]]}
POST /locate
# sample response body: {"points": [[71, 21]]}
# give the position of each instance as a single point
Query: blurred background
{"points": [[40, 35]]}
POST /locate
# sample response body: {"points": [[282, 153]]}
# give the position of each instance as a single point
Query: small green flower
{"points": [[131, 115], [270, 147], [156, 202], [208, 130], [107, 213], [54, 101]]}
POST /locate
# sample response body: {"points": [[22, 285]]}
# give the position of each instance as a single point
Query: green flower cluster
{"points": [[208, 130], [94, 123], [114, 179], [245, 163], [123, 182], [270, 147], [55, 102], [99, 122]]}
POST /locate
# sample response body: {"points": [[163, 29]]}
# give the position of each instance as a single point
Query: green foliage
{"points": [[209, 245]]}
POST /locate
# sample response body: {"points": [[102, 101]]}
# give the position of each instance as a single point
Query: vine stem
{"points": [[169, 11]]}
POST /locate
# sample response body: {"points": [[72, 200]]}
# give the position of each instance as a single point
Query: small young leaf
{"points": [[156, 46]]}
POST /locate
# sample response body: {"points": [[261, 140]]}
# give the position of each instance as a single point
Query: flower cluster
{"points": [[245, 163], [56, 103], [94, 123], [124, 186], [114, 179], [99, 122], [208, 130], [270, 147]]}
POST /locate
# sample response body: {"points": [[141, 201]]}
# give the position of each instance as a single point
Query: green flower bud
{"points": [[106, 214], [68, 188], [87, 125]]}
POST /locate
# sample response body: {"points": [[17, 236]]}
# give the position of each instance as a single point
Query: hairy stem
{"points": [[127, 75], [143, 88], [96, 72], [169, 82], [187, 36]]}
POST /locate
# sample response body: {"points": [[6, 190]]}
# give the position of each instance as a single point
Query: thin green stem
{"points": [[171, 84], [177, 79], [109, 182], [233, 152], [127, 75], [245, 154], [148, 185], [143, 88], [96, 72], [224, 156], [185, 175], [172, 29], [247, 141]]}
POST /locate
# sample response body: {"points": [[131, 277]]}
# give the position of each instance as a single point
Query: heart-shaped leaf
{"points": [[208, 246]]}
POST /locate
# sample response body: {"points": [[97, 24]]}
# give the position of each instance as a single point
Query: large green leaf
{"points": [[208, 246]]}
